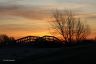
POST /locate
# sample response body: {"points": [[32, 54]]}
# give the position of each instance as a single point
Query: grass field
{"points": [[49, 55]]}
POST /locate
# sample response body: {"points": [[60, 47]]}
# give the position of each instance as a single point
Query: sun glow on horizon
{"points": [[30, 17]]}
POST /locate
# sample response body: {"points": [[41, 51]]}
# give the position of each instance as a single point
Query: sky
{"points": [[20, 18]]}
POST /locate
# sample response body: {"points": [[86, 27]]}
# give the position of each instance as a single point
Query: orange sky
{"points": [[20, 18]]}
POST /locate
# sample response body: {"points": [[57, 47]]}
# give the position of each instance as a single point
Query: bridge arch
{"points": [[27, 39]]}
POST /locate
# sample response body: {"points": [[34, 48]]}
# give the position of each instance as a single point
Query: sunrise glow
{"points": [[30, 17]]}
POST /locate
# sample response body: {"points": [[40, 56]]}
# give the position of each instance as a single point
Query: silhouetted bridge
{"points": [[30, 39], [50, 38], [27, 39]]}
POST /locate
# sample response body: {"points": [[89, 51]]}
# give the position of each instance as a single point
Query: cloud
{"points": [[26, 12], [40, 9], [91, 16]]}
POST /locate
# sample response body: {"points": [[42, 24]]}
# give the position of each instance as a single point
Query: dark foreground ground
{"points": [[75, 55]]}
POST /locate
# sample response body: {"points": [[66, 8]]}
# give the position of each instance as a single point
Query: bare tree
{"points": [[68, 26], [81, 30]]}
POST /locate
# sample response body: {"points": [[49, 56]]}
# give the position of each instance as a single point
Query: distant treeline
{"points": [[42, 42]]}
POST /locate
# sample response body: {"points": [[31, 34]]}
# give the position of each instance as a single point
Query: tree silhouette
{"points": [[82, 31], [68, 26], [41, 43], [5, 40]]}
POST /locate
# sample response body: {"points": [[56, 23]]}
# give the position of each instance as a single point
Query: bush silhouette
{"points": [[41, 43], [6, 41]]}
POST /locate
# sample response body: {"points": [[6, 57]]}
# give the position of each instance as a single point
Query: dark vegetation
{"points": [[31, 41], [43, 42]]}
